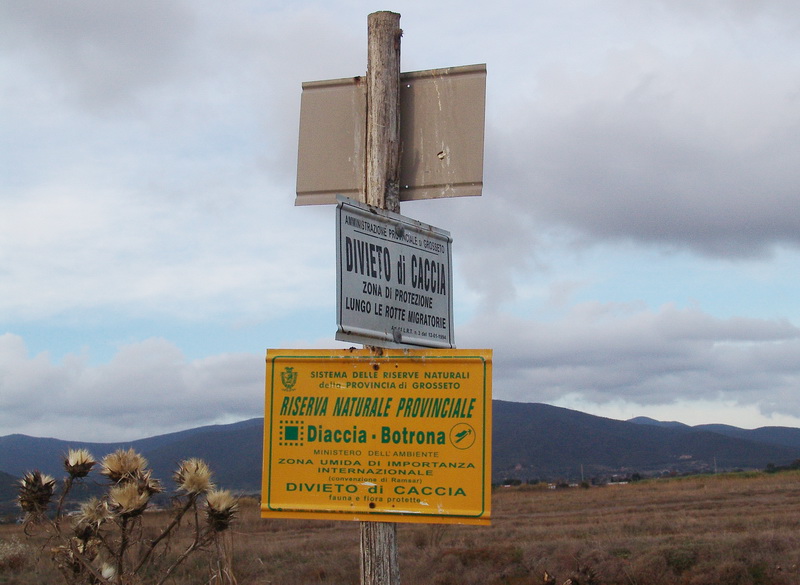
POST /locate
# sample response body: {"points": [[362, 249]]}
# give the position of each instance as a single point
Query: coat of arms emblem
{"points": [[289, 378]]}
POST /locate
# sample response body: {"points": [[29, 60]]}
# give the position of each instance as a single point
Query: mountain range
{"points": [[531, 442]]}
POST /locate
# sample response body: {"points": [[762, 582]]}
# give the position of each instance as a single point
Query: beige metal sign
{"points": [[441, 129], [404, 436]]}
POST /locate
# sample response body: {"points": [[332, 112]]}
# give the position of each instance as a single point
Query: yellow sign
{"points": [[403, 436]]}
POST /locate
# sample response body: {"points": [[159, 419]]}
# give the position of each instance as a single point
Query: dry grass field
{"points": [[728, 529]]}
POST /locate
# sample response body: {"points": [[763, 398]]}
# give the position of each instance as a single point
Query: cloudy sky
{"points": [[636, 249]]}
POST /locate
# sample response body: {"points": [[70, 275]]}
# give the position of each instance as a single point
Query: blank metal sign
{"points": [[442, 119]]}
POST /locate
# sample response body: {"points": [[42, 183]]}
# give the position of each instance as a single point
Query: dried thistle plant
{"points": [[35, 492], [106, 542], [128, 499], [221, 509], [123, 464], [92, 515], [147, 483], [78, 463], [193, 476]]}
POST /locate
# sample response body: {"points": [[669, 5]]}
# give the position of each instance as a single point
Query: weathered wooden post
{"points": [[379, 563], [383, 111]]}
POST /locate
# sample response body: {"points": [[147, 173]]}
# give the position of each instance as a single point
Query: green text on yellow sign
{"points": [[400, 436]]}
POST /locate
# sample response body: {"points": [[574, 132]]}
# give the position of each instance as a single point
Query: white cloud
{"points": [[99, 54], [691, 153], [606, 353], [614, 359], [147, 388]]}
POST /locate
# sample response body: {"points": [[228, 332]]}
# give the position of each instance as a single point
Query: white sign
{"points": [[393, 279]]}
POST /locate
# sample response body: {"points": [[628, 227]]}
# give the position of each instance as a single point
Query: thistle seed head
{"points": [[93, 514], [35, 491], [147, 483], [127, 499], [193, 476], [79, 463], [122, 464], [221, 509]]}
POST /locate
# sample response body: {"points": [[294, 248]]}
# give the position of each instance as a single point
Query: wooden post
{"points": [[383, 111], [379, 564]]}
